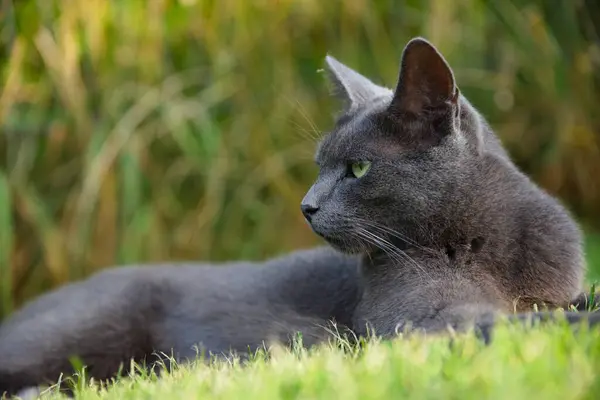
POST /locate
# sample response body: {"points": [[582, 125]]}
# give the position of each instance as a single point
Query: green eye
{"points": [[359, 169]]}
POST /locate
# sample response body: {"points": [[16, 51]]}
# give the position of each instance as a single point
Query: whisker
{"points": [[390, 252], [397, 254], [395, 233], [314, 134], [304, 133]]}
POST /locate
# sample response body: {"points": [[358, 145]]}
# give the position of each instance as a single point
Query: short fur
{"points": [[133, 312], [442, 214]]}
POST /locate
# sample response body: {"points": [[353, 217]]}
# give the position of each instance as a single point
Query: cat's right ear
{"points": [[426, 81], [353, 88]]}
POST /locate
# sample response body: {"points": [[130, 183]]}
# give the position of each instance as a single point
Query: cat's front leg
{"points": [[444, 318], [483, 318], [485, 324]]}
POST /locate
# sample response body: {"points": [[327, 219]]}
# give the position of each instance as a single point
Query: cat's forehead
{"points": [[352, 137]]}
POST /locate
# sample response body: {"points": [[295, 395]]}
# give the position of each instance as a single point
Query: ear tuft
{"points": [[425, 81], [352, 87]]}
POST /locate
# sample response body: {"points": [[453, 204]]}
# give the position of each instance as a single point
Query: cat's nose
{"points": [[308, 210]]}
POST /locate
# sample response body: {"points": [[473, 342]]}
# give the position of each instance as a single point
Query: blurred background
{"points": [[139, 131]]}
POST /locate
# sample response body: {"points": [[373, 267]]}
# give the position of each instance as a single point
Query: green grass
{"points": [[548, 363], [593, 256]]}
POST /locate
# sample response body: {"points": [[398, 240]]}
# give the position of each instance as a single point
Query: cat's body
{"points": [[132, 312], [443, 228]]}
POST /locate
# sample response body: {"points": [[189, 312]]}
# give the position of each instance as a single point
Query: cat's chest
{"points": [[387, 301], [414, 292]]}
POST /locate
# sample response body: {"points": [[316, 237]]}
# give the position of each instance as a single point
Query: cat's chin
{"points": [[344, 246]]}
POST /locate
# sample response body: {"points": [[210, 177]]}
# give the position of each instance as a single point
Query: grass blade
{"points": [[6, 246]]}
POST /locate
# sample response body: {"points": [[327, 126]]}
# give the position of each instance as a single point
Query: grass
{"points": [[593, 256], [549, 363]]}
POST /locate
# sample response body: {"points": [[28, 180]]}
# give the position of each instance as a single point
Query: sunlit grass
{"points": [[549, 363], [141, 131]]}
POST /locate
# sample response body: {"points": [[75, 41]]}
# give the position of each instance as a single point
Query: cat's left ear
{"points": [[352, 87], [425, 82]]}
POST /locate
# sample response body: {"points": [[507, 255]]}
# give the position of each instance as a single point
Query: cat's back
{"points": [[300, 279], [318, 282], [306, 271], [125, 282]]}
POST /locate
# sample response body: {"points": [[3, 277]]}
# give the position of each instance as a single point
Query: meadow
{"points": [[143, 131]]}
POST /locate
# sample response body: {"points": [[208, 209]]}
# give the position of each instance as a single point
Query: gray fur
{"points": [[450, 231], [135, 311]]}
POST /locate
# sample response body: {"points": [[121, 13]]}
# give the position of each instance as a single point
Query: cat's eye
{"points": [[360, 168]]}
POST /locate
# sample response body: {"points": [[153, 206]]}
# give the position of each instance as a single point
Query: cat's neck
{"points": [[487, 205]]}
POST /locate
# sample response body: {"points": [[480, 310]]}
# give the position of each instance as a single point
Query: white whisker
{"points": [[389, 248]]}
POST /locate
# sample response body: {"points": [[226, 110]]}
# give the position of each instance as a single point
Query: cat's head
{"points": [[394, 158]]}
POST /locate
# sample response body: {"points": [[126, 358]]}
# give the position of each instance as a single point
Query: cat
{"points": [[449, 230], [136, 312], [395, 256]]}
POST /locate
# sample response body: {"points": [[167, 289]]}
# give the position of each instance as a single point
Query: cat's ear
{"points": [[425, 82], [352, 87]]}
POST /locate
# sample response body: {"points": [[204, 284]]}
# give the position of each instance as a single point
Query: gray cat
{"points": [[439, 228], [449, 230]]}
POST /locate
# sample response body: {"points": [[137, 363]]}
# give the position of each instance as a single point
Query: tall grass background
{"points": [[142, 131]]}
